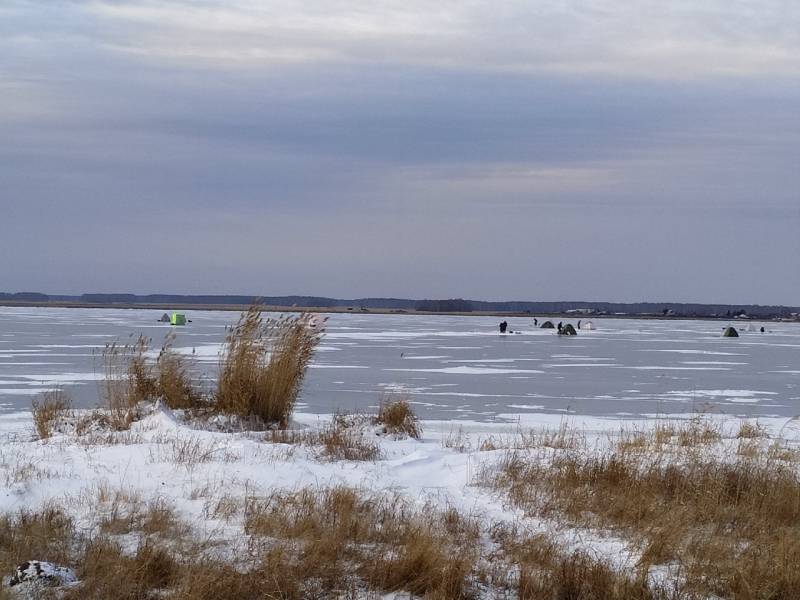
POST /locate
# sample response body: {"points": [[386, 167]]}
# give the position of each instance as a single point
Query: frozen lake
{"points": [[454, 367]]}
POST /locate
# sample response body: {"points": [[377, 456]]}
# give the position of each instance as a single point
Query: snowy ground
{"points": [[163, 459]]}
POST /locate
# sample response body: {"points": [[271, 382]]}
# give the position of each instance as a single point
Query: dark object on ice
{"points": [[730, 332], [41, 573], [762, 330], [503, 327], [579, 324], [548, 325], [568, 329], [560, 326], [164, 318], [535, 321]]}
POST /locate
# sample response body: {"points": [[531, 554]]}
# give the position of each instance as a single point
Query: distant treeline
{"points": [[404, 304]]}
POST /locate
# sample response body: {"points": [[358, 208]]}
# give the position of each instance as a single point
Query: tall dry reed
{"points": [[263, 365], [174, 380]]}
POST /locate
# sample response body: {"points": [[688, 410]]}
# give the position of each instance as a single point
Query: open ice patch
{"points": [[464, 370]]}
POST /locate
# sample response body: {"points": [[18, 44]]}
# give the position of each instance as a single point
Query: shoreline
{"points": [[376, 311]]}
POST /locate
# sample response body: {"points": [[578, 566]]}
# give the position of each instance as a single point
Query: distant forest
{"points": [[427, 305]]}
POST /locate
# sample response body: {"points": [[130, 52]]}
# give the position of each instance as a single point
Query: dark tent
{"points": [[164, 318], [568, 329], [730, 332], [548, 325]]}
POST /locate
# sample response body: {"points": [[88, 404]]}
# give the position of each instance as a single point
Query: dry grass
{"points": [[190, 451], [397, 417], [48, 410], [337, 542], [542, 571], [343, 439], [341, 539], [731, 524], [121, 513], [174, 382], [667, 436], [128, 381], [263, 365], [108, 572], [342, 442], [261, 372], [749, 430], [458, 440], [45, 535]]}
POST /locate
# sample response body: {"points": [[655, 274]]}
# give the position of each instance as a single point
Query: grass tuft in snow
{"points": [[50, 408], [397, 417], [174, 383], [263, 365], [731, 522]]}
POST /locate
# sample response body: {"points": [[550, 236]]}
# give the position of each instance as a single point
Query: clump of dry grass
{"points": [[47, 410], [340, 441], [693, 433], [336, 542], [44, 535], [174, 383], [344, 438], [108, 572], [121, 512], [263, 365], [340, 536], [128, 380], [457, 439], [732, 524], [544, 572], [397, 417], [750, 430]]}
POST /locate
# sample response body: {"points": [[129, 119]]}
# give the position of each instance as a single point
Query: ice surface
{"points": [[624, 366]]}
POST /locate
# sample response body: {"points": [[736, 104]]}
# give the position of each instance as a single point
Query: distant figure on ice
{"points": [[762, 330], [560, 326], [579, 324], [535, 322], [503, 327]]}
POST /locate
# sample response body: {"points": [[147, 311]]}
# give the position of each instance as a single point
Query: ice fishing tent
{"points": [[548, 325], [587, 325], [730, 332], [178, 319], [568, 329], [165, 318]]}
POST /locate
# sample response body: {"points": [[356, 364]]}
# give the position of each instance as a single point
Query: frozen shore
{"points": [[163, 460]]}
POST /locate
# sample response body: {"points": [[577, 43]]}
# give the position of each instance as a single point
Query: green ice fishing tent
{"points": [[178, 319]]}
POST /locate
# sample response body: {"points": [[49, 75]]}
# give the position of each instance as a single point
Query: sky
{"points": [[549, 150]]}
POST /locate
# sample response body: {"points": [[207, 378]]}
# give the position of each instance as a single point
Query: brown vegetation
{"points": [[263, 365], [341, 537], [397, 417], [128, 380], [732, 524], [311, 543], [44, 535], [261, 372], [174, 383], [343, 439], [47, 410]]}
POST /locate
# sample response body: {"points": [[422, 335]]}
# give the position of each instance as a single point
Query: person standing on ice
{"points": [[503, 327]]}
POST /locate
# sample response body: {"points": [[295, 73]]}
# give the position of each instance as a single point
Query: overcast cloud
{"points": [[519, 150]]}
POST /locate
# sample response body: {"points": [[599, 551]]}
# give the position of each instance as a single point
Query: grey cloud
{"points": [[426, 163]]}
